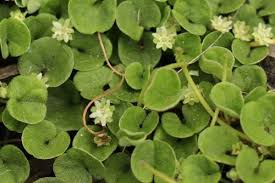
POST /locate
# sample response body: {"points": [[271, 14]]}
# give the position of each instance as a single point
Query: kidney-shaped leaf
{"points": [[90, 16], [15, 37], [228, 97], [144, 51], [14, 166], [216, 143], [118, 169], [251, 169], [83, 140], [76, 166], [135, 121], [158, 155], [27, 101], [257, 120], [247, 55], [193, 15], [248, 77], [164, 90], [217, 60], [91, 83], [197, 169], [195, 119], [49, 57], [44, 140]]}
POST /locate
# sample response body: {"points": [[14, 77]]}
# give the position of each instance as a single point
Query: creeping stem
{"points": [[207, 107]]}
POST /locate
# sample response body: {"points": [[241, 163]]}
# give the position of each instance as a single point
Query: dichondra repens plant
{"points": [[129, 91]]}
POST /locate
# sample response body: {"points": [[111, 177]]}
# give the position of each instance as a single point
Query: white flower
{"points": [[3, 90], [242, 31], [190, 96], [62, 30], [263, 35], [18, 15], [164, 38], [222, 24], [102, 112]]}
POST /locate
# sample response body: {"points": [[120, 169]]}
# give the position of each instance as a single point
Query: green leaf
{"points": [[99, 16], [31, 5], [182, 147], [40, 25], [255, 94], [135, 16], [247, 55], [190, 45], [118, 169], [14, 166], [224, 7], [144, 51], [251, 169], [27, 94], [228, 97], [15, 37], [48, 180], [135, 121], [88, 54], [4, 11], [83, 140], [158, 155], [217, 60], [195, 120], [11, 123], [90, 84], [248, 77], [76, 166], [264, 7], [216, 143], [64, 107], [44, 140], [248, 14], [186, 13], [49, 57], [164, 90], [137, 75], [59, 8], [197, 169], [224, 40], [257, 120]]}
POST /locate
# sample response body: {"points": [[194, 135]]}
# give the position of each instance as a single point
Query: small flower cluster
{"points": [[17, 14], [62, 30], [189, 96], [165, 35], [262, 34]]}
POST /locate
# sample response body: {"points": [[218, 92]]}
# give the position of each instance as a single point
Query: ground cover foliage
{"points": [[128, 91]]}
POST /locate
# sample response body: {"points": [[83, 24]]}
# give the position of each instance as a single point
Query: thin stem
{"points": [[207, 107], [106, 56], [157, 173], [104, 94], [175, 65], [215, 117]]}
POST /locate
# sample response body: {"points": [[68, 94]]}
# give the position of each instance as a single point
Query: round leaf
{"points": [[257, 120], [224, 41], [164, 90], [197, 169], [76, 166], [216, 143], [186, 13], [49, 57], [248, 77], [247, 55], [44, 140], [228, 97], [83, 140], [196, 119], [144, 51], [15, 37], [99, 16], [158, 155], [251, 169], [216, 61], [27, 94], [14, 166], [88, 54]]}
